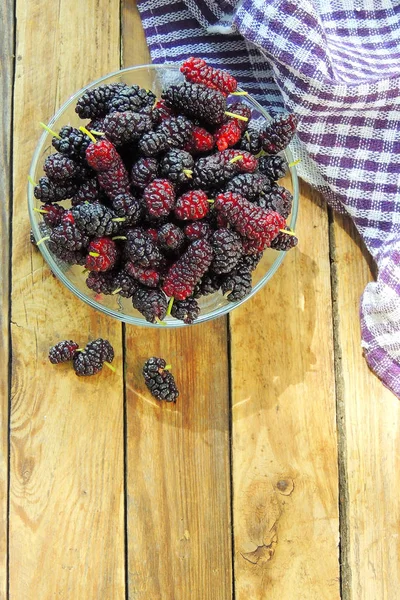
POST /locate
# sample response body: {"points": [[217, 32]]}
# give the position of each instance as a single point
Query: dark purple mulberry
{"points": [[185, 310], [144, 171], [96, 102], [196, 101], [152, 303], [48, 191], [274, 166], [159, 380], [62, 352], [125, 127], [227, 248], [72, 142], [177, 166], [91, 360], [142, 249], [188, 270]]}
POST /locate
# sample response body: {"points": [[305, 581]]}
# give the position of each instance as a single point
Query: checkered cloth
{"points": [[335, 64]]}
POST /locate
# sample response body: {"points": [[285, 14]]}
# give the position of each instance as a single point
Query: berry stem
{"points": [[85, 271], [88, 133], [53, 133], [239, 93], [170, 303], [294, 163], [163, 323], [119, 237], [235, 116], [110, 366], [117, 291], [210, 200], [32, 181], [44, 239], [188, 173], [247, 135], [119, 220], [288, 231], [236, 158], [167, 367], [97, 132], [94, 254], [40, 210], [79, 350]]}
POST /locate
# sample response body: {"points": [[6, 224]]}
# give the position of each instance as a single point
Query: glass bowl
{"points": [[155, 77]]}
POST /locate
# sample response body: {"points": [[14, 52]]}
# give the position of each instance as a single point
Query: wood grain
{"points": [[179, 536], [285, 479], [369, 415], [66, 511], [6, 81]]}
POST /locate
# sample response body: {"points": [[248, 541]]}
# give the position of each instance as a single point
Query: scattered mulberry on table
{"points": [[62, 352], [90, 361], [159, 381]]}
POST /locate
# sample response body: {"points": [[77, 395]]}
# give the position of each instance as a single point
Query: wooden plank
{"points": [[67, 475], [6, 83], [179, 536], [285, 508], [369, 415]]}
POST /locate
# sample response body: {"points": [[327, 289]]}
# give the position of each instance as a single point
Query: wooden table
{"points": [[275, 476]]}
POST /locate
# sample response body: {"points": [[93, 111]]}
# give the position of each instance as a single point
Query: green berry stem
{"points": [[188, 173], [119, 237], [294, 163], [44, 239], [170, 303], [94, 254], [110, 366], [97, 132], [210, 200], [167, 367], [235, 116], [236, 158], [31, 181], [163, 323], [40, 210], [117, 291], [239, 93], [53, 133], [119, 220], [288, 231], [88, 133]]}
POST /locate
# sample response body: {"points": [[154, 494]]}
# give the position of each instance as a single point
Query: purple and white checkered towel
{"points": [[336, 65]]}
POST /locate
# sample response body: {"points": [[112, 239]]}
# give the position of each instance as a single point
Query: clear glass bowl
{"points": [[155, 77]]}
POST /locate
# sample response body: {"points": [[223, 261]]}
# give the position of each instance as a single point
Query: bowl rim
{"points": [[169, 322]]}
